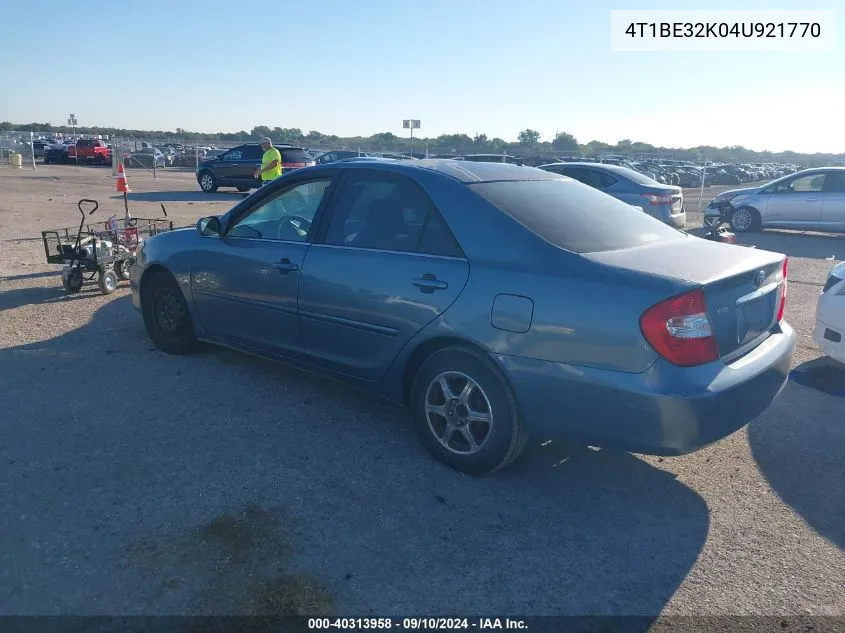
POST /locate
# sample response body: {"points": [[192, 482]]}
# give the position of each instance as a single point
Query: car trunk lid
{"points": [[296, 159], [665, 195], [743, 287]]}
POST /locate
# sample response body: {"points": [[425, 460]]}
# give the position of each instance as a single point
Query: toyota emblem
{"points": [[760, 277]]}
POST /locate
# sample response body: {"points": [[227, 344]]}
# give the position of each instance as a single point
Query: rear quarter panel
{"points": [[583, 314]]}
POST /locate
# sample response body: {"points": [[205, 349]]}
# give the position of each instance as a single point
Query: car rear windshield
{"points": [[296, 156], [637, 177], [575, 217]]}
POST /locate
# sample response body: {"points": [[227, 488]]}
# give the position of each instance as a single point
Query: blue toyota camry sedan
{"points": [[497, 302]]}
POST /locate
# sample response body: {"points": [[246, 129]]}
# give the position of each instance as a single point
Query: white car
{"points": [[829, 333]]}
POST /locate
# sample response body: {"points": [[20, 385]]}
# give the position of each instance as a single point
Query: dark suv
{"points": [[234, 167]]}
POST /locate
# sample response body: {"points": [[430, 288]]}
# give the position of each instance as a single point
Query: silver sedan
{"points": [[813, 199]]}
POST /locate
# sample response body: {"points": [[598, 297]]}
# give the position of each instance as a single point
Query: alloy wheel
{"points": [[741, 220], [458, 413]]}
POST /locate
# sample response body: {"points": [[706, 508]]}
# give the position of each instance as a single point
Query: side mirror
{"points": [[209, 227]]}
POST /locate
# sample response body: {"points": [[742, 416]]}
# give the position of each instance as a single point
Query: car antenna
{"points": [[163, 210]]}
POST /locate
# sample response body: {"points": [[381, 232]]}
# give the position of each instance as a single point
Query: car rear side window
{"points": [[835, 182], [391, 213], [296, 156], [437, 239], [575, 217]]}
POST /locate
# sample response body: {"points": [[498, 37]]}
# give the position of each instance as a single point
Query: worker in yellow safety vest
{"points": [[271, 163]]}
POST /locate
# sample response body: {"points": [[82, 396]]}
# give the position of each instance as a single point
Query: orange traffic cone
{"points": [[122, 183]]}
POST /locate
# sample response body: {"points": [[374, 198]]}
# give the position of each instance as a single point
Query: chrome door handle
{"points": [[429, 283], [811, 199], [286, 266]]}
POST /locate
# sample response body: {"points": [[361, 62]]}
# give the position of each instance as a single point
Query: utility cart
{"points": [[104, 249]]}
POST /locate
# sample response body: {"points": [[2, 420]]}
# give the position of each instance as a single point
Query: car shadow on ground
{"points": [[41, 295], [184, 196], [132, 452], [801, 457]]}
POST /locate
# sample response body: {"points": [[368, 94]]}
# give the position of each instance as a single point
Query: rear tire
{"points": [[745, 220], [466, 413], [166, 315], [208, 182]]}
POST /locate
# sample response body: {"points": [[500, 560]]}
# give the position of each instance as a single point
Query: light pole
{"points": [[411, 124]]}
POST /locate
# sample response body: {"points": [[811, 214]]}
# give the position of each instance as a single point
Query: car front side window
{"points": [[286, 216], [811, 183]]}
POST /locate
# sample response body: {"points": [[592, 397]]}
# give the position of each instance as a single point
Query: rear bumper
{"points": [[666, 214], [823, 335], [665, 410]]}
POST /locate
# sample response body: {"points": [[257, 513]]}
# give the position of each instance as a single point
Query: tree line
{"points": [[528, 142]]}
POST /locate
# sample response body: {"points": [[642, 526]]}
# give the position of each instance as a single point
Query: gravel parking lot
{"points": [[133, 482]]}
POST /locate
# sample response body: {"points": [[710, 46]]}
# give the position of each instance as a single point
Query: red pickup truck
{"points": [[90, 151]]}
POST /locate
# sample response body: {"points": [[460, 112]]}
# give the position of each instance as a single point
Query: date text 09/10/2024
{"points": [[416, 624]]}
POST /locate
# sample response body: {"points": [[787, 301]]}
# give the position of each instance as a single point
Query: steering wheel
{"points": [[304, 225]]}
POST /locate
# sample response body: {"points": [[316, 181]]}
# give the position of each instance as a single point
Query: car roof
{"points": [[463, 171], [813, 170], [617, 169]]}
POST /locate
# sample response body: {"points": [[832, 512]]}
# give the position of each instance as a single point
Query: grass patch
{"points": [[238, 563]]}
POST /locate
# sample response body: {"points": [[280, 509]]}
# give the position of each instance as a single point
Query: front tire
{"points": [[745, 220], [466, 412], [243, 189], [166, 316], [208, 182]]}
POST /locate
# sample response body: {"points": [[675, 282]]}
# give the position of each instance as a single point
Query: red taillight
{"points": [[654, 199], [782, 306], [679, 330]]}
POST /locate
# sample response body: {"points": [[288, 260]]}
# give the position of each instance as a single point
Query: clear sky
{"points": [[357, 67]]}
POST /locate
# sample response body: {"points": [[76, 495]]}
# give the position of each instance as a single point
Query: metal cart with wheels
{"points": [[103, 250]]}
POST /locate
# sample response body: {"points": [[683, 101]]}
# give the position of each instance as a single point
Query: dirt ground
{"points": [[132, 482]]}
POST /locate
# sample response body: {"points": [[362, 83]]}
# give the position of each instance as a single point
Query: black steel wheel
{"points": [[166, 315]]}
